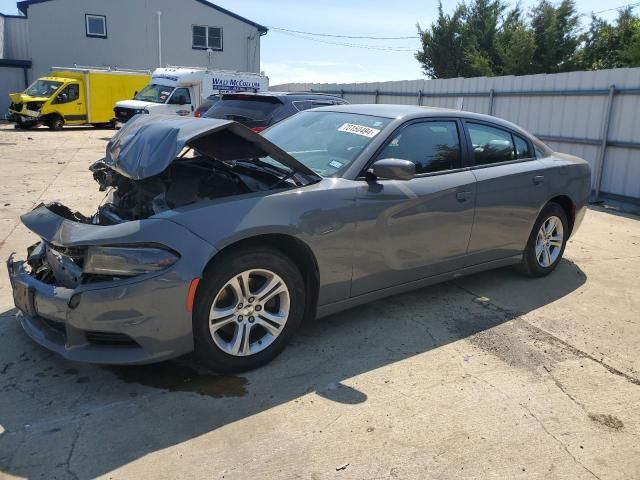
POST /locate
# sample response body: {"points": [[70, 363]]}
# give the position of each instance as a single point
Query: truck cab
{"points": [[181, 90], [74, 96], [48, 100]]}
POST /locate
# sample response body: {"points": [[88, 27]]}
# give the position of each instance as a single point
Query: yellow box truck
{"points": [[75, 96]]}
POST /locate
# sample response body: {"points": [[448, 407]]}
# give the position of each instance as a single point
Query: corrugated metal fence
{"points": [[595, 115]]}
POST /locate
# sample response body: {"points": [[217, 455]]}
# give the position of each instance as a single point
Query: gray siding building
{"points": [[14, 57], [135, 34]]}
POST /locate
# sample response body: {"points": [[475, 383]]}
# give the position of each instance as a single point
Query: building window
{"points": [[206, 37], [96, 25]]}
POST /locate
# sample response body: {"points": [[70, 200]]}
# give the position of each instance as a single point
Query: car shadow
{"points": [[101, 418]]}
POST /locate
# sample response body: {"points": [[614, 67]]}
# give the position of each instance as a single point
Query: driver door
{"points": [[180, 102], [413, 229], [70, 104]]}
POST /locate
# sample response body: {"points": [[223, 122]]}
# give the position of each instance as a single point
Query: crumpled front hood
{"points": [[23, 98], [147, 144]]}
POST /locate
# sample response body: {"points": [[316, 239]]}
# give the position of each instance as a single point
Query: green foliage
{"points": [[609, 45], [483, 37], [556, 35]]}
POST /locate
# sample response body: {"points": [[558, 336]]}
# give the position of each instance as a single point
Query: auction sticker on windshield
{"points": [[359, 130]]}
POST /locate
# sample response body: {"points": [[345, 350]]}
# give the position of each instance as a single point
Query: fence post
{"points": [[491, 94], [377, 95], [420, 97], [603, 144]]}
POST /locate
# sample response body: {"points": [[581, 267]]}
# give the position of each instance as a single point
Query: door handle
{"points": [[538, 179], [463, 196]]}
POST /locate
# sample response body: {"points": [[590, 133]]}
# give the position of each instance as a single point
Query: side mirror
{"points": [[393, 169]]}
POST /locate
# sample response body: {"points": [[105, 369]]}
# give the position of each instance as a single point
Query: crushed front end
{"points": [[107, 294], [117, 286]]}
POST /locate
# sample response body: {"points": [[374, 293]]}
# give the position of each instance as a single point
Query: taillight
{"points": [[258, 129], [197, 114]]}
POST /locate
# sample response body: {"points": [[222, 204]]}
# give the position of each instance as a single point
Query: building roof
{"points": [[7, 15], [24, 5]]}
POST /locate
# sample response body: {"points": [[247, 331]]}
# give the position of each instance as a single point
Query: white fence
{"points": [[595, 115]]}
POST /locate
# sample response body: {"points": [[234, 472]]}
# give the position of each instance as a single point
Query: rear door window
{"points": [[490, 144], [522, 148]]}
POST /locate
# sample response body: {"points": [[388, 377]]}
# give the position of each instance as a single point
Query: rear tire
{"points": [[547, 242], [248, 306], [55, 123]]}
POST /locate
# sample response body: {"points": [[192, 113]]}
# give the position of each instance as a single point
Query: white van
{"points": [[180, 90]]}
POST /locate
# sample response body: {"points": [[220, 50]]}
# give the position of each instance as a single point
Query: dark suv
{"points": [[261, 110]]}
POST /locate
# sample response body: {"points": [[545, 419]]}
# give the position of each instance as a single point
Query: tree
{"points": [[461, 44], [515, 44], [556, 36], [482, 28], [609, 45], [443, 45], [483, 38]]}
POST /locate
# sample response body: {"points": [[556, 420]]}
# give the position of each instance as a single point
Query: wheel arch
{"points": [[569, 208], [295, 249], [51, 115]]}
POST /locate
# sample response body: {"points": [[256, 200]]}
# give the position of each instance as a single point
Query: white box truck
{"points": [[180, 90]]}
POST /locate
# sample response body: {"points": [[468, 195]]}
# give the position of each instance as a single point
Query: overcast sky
{"points": [[292, 59]]}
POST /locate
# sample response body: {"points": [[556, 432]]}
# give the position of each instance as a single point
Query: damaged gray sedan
{"points": [[218, 240]]}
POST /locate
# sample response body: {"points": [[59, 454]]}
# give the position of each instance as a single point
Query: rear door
{"points": [[408, 230], [511, 191]]}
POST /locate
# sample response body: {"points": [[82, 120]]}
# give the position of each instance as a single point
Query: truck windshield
{"points": [[154, 93], [42, 88]]}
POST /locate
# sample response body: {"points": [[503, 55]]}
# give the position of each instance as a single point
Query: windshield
{"points": [[42, 88], [326, 142], [154, 93]]}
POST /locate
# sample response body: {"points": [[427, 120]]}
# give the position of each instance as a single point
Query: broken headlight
{"points": [[127, 261], [34, 106]]}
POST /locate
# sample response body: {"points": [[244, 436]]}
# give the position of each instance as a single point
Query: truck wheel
{"points": [[56, 123], [247, 309]]}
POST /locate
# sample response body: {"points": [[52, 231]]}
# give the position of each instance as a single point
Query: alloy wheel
{"points": [[249, 312], [549, 241]]}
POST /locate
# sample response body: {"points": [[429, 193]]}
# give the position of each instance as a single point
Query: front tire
{"points": [[56, 123], [546, 243], [247, 308]]}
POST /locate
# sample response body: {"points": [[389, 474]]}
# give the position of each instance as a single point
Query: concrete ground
{"points": [[491, 376]]}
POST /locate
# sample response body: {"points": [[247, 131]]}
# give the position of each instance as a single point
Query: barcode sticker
{"points": [[359, 130]]}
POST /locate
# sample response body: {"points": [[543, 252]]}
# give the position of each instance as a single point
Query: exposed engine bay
{"points": [[186, 181]]}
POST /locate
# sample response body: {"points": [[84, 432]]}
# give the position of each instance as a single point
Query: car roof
{"points": [[412, 112]]}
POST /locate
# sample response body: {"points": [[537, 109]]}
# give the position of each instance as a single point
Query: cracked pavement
{"points": [[491, 376]]}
